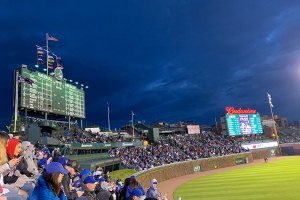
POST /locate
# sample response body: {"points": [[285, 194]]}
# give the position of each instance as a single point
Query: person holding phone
{"points": [[8, 192]]}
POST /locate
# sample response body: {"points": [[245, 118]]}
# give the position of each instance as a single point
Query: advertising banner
{"points": [[193, 129], [260, 145], [105, 145]]}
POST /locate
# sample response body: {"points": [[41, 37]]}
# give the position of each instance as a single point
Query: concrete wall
{"points": [[174, 170]]}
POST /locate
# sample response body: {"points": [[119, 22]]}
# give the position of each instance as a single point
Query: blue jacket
{"points": [[43, 191]]}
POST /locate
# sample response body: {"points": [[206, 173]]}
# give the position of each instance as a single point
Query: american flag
{"points": [[51, 38]]}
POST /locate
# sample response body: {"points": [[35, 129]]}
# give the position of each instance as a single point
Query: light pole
{"points": [[132, 114], [108, 119]]}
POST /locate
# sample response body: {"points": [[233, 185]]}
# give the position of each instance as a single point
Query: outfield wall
{"points": [[294, 148], [174, 170]]}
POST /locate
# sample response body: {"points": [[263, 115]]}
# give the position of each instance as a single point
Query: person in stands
{"points": [[89, 192], [8, 192], [49, 184], [28, 159], [152, 192], [122, 193], [136, 187], [73, 168], [18, 176], [102, 190]]}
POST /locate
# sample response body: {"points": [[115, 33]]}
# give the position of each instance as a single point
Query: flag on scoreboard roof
{"points": [[270, 100], [51, 38], [59, 62], [50, 59], [22, 79], [40, 53], [38, 48], [40, 61]]}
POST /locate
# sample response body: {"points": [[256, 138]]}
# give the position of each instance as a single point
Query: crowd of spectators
{"points": [[177, 148], [290, 136], [80, 136], [33, 172], [251, 138]]}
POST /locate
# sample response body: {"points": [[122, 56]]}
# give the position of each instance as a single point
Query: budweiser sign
{"points": [[231, 110]]}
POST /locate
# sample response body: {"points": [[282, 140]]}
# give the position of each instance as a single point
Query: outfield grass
{"points": [[122, 174], [278, 180]]}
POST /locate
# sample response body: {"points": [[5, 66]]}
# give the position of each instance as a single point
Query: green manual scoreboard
{"points": [[51, 94], [243, 124]]}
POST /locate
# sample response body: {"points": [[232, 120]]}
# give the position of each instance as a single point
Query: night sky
{"points": [[166, 60]]}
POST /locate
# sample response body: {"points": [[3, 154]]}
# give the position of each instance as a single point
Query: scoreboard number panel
{"points": [[243, 124], [51, 94]]}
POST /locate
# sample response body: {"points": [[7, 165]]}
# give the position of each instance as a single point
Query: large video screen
{"points": [[243, 124], [50, 95]]}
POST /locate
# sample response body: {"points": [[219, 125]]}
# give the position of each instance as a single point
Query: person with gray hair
{"points": [[102, 190]]}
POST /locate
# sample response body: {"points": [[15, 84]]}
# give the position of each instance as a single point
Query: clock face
{"points": [[58, 74]]}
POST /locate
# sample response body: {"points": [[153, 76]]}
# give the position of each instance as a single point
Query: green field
{"points": [[122, 174], [275, 180]]}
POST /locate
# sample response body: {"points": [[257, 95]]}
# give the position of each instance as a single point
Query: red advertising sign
{"points": [[231, 110]]}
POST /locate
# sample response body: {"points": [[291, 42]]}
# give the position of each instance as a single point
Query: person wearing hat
{"points": [[97, 175], [89, 192], [73, 168], [134, 185], [83, 174], [152, 192], [49, 183], [102, 190]]}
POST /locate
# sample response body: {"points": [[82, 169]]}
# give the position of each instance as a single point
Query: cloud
{"points": [[168, 60]]}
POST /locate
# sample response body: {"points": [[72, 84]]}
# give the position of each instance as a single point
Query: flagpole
{"points": [[47, 51], [275, 129], [16, 100]]}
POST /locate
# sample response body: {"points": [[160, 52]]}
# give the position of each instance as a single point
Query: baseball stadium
{"points": [[246, 156]]}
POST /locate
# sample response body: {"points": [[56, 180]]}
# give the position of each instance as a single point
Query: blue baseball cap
{"points": [[63, 161], [55, 167], [84, 172], [132, 177], [89, 179], [100, 179]]}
